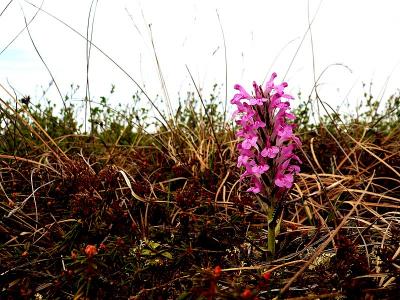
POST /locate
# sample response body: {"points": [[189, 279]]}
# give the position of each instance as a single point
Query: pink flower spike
{"points": [[270, 152], [266, 134]]}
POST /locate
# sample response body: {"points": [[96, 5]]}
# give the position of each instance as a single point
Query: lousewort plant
{"points": [[266, 147]]}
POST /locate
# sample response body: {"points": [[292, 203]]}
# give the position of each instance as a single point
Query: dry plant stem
{"points": [[311, 297], [208, 116], [43, 61], [4, 156], [325, 244], [277, 267], [226, 67]]}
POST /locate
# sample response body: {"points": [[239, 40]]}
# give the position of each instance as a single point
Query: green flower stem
{"points": [[271, 232]]}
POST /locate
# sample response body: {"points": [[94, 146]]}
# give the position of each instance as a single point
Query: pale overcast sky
{"points": [[364, 35]]}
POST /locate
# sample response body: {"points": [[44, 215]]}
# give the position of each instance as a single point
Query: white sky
{"points": [[361, 34]]}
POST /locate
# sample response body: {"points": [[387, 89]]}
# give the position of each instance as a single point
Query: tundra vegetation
{"points": [[120, 206]]}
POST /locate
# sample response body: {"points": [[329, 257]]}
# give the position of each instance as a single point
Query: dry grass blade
{"points": [[128, 183], [326, 242], [33, 131]]}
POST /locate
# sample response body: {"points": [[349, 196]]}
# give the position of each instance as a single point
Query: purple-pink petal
{"points": [[284, 180], [270, 152], [250, 142], [259, 170], [242, 91]]}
